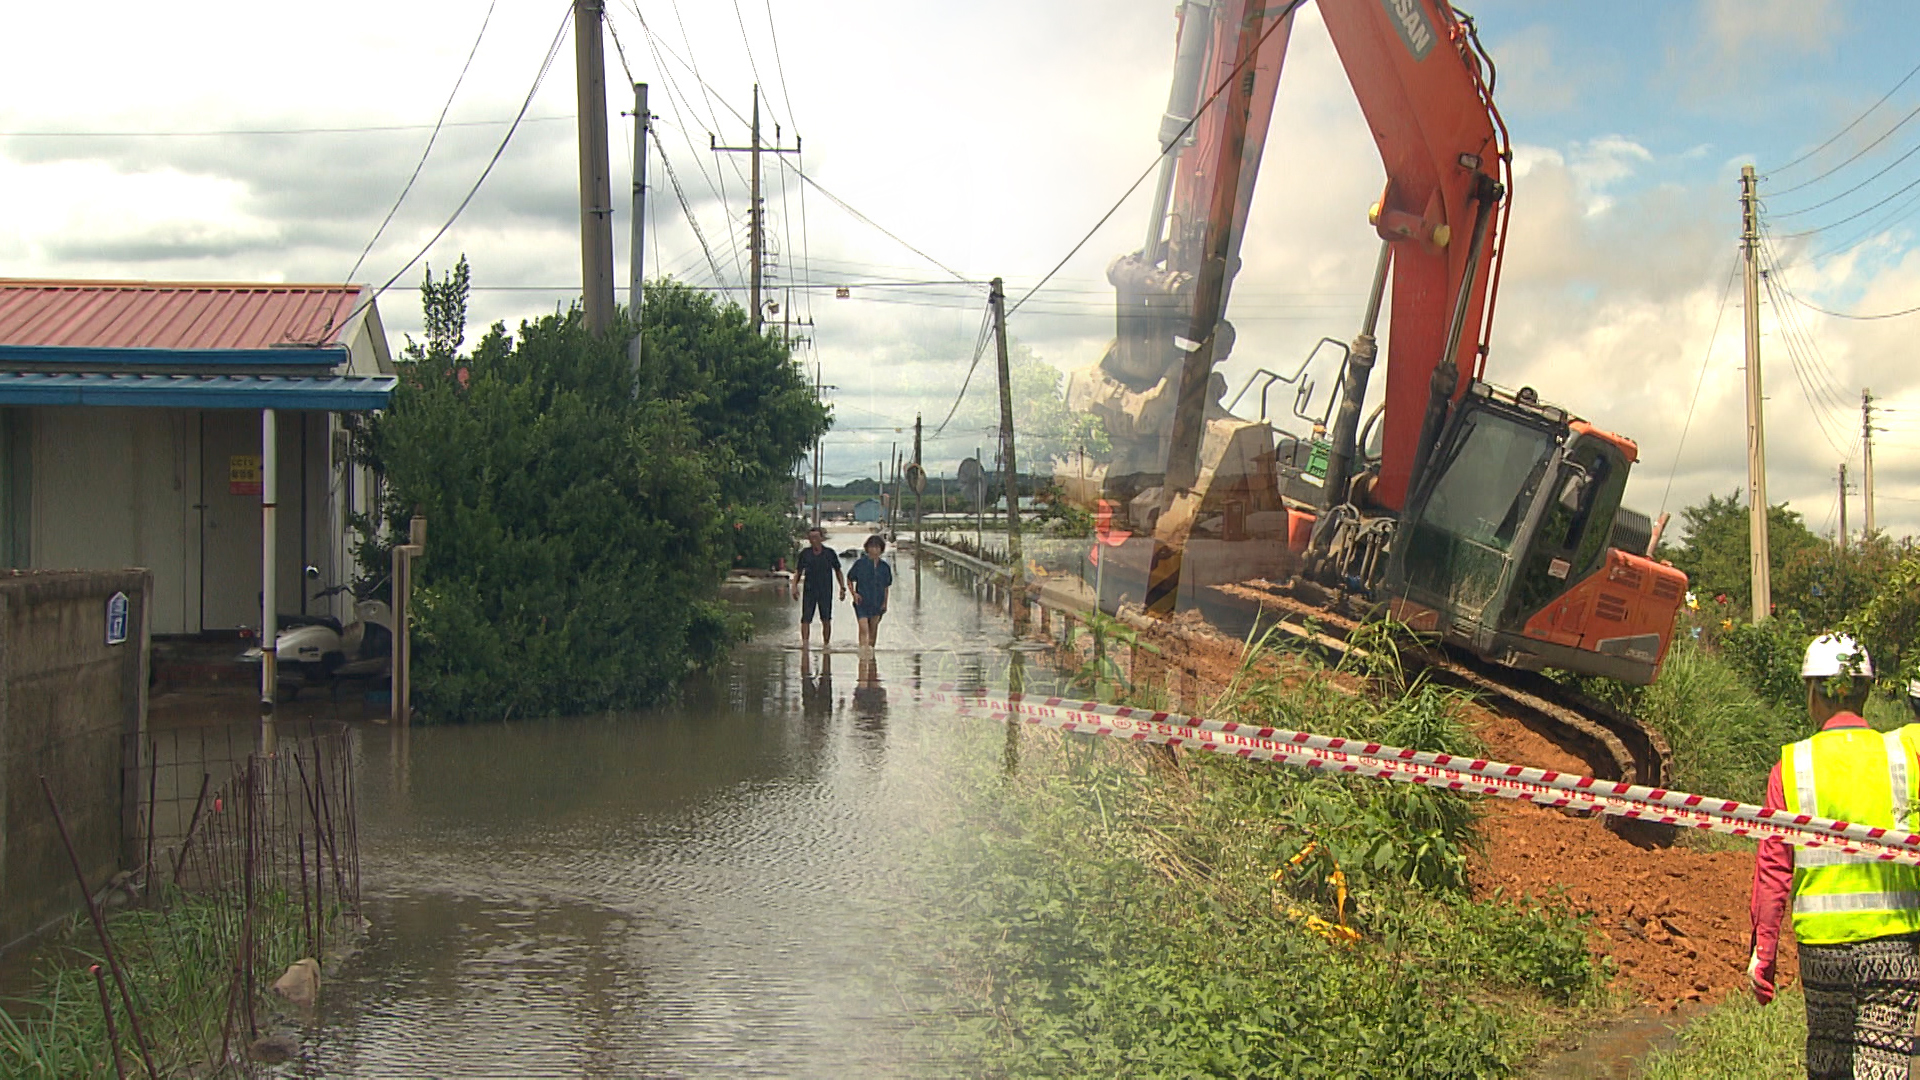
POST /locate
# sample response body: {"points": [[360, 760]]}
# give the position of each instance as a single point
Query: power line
{"points": [[1167, 148], [1836, 198], [752, 65], [1850, 126], [889, 234], [546, 64], [1713, 337], [979, 350], [1857, 214], [431, 139], [351, 129], [1857, 154], [1808, 304], [781, 69]]}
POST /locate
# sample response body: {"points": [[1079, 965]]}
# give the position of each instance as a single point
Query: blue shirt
{"points": [[872, 579]]}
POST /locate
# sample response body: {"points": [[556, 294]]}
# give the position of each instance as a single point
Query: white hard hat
{"points": [[1835, 654], [1913, 688]]}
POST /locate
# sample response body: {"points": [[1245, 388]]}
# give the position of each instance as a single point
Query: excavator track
{"points": [[1615, 744]]}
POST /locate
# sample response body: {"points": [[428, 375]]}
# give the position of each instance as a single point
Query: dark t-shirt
{"points": [[817, 568], [872, 579]]}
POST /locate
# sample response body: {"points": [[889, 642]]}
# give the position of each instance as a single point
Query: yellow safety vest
{"points": [[1861, 776]]}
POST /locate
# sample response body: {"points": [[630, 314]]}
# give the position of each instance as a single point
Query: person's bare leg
{"points": [[826, 634], [806, 632], [873, 631]]}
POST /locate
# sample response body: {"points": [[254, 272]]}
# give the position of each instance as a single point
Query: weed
{"points": [[1739, 1040]]}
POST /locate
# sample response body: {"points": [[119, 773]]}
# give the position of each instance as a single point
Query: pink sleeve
{"points": [[1772, 882]]}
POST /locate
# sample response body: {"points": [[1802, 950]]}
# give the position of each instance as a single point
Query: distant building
{"points": [[867, 510], [131, 424]]}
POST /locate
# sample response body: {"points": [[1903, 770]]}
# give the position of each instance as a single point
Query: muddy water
{"points": [[713, 889]]}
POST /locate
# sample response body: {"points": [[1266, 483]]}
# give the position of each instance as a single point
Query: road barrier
{"points": [[1542, 787]]}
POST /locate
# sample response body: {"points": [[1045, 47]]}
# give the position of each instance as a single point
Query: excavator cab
{"points": [[1515, 546]]}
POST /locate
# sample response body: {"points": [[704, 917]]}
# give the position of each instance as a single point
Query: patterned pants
{"points": [[1863, 1000]]}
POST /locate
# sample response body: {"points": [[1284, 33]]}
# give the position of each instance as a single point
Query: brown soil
{"points": [[1672, 919]]}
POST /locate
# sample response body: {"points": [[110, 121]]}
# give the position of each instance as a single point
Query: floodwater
{"points": [[719, 888]]}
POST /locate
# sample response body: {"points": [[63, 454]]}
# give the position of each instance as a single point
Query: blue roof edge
{"points": [[93, 357]]}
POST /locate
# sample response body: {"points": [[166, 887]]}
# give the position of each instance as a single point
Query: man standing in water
{"points": [[871, 579], [814, 575]]}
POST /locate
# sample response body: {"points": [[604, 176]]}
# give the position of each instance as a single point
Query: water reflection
{"points": [[712, 889]]}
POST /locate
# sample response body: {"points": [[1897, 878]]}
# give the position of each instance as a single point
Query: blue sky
{"points": [[992, 136]]}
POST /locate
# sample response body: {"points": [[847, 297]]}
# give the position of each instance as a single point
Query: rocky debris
{"points": [[301, 984]]}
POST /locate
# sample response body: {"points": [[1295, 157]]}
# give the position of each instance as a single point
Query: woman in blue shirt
{"points": [[870, 578]]}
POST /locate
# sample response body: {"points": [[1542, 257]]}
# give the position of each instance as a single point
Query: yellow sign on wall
{"points": [[243, 474]]}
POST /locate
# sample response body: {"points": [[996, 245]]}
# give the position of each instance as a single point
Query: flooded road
{"points": [[719, 888]]}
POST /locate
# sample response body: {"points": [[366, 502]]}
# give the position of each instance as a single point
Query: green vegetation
{"points": [[1739, 1040], [178, 960], [1116, 910], [583, 512]]}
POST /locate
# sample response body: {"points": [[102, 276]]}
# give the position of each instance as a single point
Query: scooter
{"points": [[321, 652]]}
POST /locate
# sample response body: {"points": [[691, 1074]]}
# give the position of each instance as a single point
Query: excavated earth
{"points": [[1672, 920]]}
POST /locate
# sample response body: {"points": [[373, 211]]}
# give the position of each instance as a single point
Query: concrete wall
{"points": [[68, 702], [113, 487]]}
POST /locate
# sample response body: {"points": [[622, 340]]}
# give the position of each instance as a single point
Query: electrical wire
{"points": [[1856, 215], [979, 350], [431, 139], [883, 230], [546, 65], [1850, 126], [1857, 155], [354, 129], [780, 68], [1698, 382], [1811, 306], [1836, 198], [746, 40], [1167, 148]]}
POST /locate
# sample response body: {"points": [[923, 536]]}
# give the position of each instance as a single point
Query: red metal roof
{"points": [[171, 315]]}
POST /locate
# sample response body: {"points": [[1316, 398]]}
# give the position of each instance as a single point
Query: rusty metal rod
{"points": [[113, 1031], [193, 824], [100, 928]]}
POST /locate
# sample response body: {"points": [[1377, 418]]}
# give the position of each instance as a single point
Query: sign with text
{"points": [[243, 474], [117, 619]]}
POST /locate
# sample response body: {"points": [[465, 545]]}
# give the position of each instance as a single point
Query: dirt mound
{"points": [[1674, 920]]}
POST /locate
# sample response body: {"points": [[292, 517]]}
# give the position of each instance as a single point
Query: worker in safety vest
{"points": [[1857, 919]]}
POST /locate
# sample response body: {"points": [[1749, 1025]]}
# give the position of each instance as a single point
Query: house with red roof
{"points": [[180, 426]]}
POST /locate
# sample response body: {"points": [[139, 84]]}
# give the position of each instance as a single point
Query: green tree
{"points": [[1716, 550], [1043, 427], [580, 507], [755, 410]]}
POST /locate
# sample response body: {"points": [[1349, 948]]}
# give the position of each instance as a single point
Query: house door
{"points": [[230, 520]]}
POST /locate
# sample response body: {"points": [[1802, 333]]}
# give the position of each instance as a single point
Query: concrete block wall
{"points": [[69, 704]]}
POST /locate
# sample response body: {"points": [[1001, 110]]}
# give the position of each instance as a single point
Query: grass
{"points": [[178, 961], [1116, 910], [1738, 1040]]}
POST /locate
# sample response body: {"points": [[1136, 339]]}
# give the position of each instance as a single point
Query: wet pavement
{"points": [[718, 888]]}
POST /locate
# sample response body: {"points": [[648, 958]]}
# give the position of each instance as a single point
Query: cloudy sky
{"points": [[219, 141]]}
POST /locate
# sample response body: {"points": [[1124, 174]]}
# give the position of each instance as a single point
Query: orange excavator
{"points": [[1486, 517]]}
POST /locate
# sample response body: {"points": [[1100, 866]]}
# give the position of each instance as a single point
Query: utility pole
{"points": [[921, 472], [1760, 568], [997, 299], [1843, 506], [756, 214], [636, 260], [817, 375], [1866, 453], [596, 179]]}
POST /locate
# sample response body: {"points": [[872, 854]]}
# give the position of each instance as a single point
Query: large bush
{"points": [[579, 507]]}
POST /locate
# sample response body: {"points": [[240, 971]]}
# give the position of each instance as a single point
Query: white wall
{"points": [[115, 488]]}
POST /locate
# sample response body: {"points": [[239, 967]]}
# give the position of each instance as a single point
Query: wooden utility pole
{"points": [[817, 375], [1843, 506], [636, 260], [596, 175], [756, 212], [1866, 453], [920, 481], [997, 300], [1760, 567]]}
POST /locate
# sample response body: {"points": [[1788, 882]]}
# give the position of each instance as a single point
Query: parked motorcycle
{"points": [[319, 651]]}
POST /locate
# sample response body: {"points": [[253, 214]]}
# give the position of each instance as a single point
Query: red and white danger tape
{"points": [[1477, 777]]}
